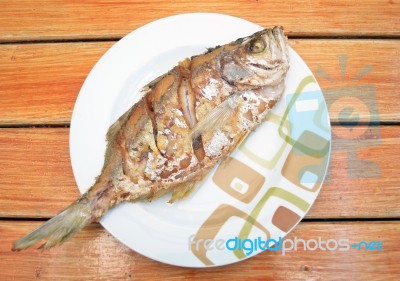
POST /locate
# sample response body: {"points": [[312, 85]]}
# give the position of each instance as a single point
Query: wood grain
{"points": [[365, 71], [94, 254], [63, 19], [37, 178], [361, 179], [36, 172], [39, 83]]}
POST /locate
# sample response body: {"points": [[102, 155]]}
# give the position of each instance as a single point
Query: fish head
{"points": [[261, 59]]}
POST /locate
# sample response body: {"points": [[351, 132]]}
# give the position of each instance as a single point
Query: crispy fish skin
{"points": [[188, 120]]}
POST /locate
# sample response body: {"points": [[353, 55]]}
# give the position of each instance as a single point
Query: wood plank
{"points": [[362, 179], [357, 76], [39, 83], [94, 254], [28, 20], [37, 178], [36, 171]]}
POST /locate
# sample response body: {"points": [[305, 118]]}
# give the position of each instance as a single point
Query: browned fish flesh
{"points": [[188, 119]]}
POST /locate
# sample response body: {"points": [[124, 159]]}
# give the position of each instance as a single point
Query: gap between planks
{"points": [[116, 39], [67, 125]]}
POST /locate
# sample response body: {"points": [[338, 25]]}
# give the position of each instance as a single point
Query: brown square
{"points": [[285, 219], [232, 168]]}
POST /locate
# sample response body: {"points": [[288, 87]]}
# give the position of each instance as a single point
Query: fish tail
{"points": [[60, 228]]}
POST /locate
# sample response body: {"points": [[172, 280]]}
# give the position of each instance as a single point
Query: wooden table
{"points": [[47, 49]]}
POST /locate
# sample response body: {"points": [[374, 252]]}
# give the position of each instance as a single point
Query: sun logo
{"points": [[353, 108]]}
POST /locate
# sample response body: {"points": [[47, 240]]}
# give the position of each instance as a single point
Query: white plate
{"points": [[285, 178]]}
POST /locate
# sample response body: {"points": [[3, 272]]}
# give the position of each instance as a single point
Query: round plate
{"points": [[261, 192]]}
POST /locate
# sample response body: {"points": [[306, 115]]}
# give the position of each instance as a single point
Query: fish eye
{"points": [[256, 46]]}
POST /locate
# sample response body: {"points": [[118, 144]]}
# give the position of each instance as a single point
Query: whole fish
{"points": [[188, 119]]}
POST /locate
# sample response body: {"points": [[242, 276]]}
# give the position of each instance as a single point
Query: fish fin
{"points": [[157, 194], [112, 132], [224, 162], [216, 118], [183, 192], [58, 229], [116, 126]]}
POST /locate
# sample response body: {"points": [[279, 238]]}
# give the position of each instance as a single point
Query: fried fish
{"points": [[188, 119]]}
